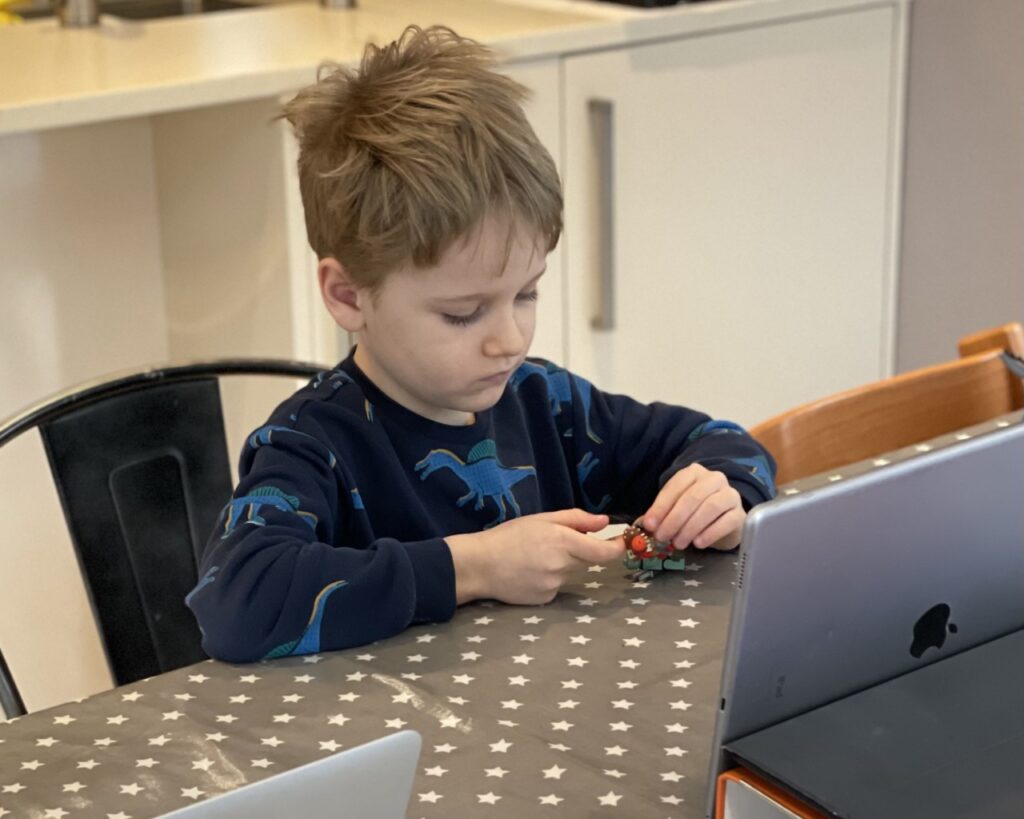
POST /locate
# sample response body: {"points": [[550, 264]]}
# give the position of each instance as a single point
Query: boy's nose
{"points": [[505, 339]]}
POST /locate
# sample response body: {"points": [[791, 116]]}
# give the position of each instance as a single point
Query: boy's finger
{"points": [[728, 524], [667, 497], [595, 550], [578, 519]]}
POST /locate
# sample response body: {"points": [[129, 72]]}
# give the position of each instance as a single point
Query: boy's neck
{"points": [[365, 362]]}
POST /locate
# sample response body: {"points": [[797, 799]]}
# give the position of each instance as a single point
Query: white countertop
{"points": [[52, 76]]}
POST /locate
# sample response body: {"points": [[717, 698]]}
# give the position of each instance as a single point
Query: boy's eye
{"points": [[461, 321], [528, 296]]}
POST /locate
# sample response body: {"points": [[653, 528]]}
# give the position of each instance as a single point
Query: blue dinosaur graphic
{"points": [[583, 470], [759, 470], [357, 499], [265, 436], [249, 506], [715, 428], [309, 641], [336, 378], [484, 475], [559, 388], [205, 580]]}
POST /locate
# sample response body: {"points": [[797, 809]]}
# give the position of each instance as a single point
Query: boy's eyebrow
{"points": [[484, 296]]}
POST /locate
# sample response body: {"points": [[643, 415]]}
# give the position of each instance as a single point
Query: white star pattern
{"points": [[623, 645]]}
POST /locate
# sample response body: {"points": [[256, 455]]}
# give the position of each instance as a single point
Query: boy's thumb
{"points": [[578, 519]]}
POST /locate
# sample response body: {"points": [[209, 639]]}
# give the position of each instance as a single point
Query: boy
{"points": [[436, 464]]}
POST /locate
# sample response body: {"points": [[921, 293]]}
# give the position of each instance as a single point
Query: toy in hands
{"points": [[647, 556]]}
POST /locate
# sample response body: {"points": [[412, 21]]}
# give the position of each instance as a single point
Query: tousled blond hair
{"points": [[405, 155]]}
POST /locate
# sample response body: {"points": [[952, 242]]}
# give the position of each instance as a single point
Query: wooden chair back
{"points": [[895, 412]]}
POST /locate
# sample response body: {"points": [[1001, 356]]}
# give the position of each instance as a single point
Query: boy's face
{"points": [[443, 341]]}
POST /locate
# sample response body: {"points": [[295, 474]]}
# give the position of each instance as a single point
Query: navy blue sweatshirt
{"points": [[335, 534]]}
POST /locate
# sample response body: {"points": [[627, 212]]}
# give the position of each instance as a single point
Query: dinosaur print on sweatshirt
{"points": [[484, 475]]}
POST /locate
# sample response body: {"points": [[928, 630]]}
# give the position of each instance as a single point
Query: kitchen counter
{"points": [[52, 76]]}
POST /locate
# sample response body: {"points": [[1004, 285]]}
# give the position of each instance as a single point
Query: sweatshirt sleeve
{"points": [[273, 582], [625, 451]]}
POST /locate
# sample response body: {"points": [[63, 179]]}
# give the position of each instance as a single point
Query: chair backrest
{"points": [[141, 466], [898, 411]]}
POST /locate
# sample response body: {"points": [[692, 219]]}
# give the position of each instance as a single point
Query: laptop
{"points": [[946, 742], [864, 579], [371, 781]]}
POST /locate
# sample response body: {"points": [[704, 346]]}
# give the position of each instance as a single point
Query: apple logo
{"points": [[930, 630]]}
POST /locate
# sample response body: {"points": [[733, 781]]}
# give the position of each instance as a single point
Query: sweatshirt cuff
{"points": [[750, 495], [434, 577]]}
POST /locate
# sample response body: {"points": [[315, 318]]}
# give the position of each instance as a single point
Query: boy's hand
{"points": [[525, 561], [697, 506]]}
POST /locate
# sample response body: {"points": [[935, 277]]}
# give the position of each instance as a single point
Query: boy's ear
{"points": [[340, 294]]}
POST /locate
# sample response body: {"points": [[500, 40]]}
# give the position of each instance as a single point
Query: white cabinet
{"points": [[749, 213]]}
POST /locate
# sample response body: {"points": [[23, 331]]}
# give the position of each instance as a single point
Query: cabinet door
{"points": [[741, 184]]}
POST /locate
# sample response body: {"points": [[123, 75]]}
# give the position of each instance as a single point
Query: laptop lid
{"points": [[945, 741], [859, 581], [371, 781]]}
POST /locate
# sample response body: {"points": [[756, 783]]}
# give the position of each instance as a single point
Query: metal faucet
{"points": [[78, 13]]}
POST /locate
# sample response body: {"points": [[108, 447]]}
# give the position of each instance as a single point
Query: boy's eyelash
{"points": [[461, 321]]}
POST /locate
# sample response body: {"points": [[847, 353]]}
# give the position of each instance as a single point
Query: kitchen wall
{"points": [[963, 226]]}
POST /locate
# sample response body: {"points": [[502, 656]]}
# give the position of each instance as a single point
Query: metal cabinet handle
{"points": [[601, 115]]}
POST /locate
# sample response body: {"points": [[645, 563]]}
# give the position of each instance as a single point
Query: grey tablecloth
{"points": [[599, 704]]}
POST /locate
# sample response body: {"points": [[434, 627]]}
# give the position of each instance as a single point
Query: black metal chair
{"points": [[141, 465]]}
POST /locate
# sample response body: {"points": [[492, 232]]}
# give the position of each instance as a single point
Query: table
{"points": [[601, 703]]}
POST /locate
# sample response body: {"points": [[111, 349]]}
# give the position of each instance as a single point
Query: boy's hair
{"points": [[402, 157]]}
